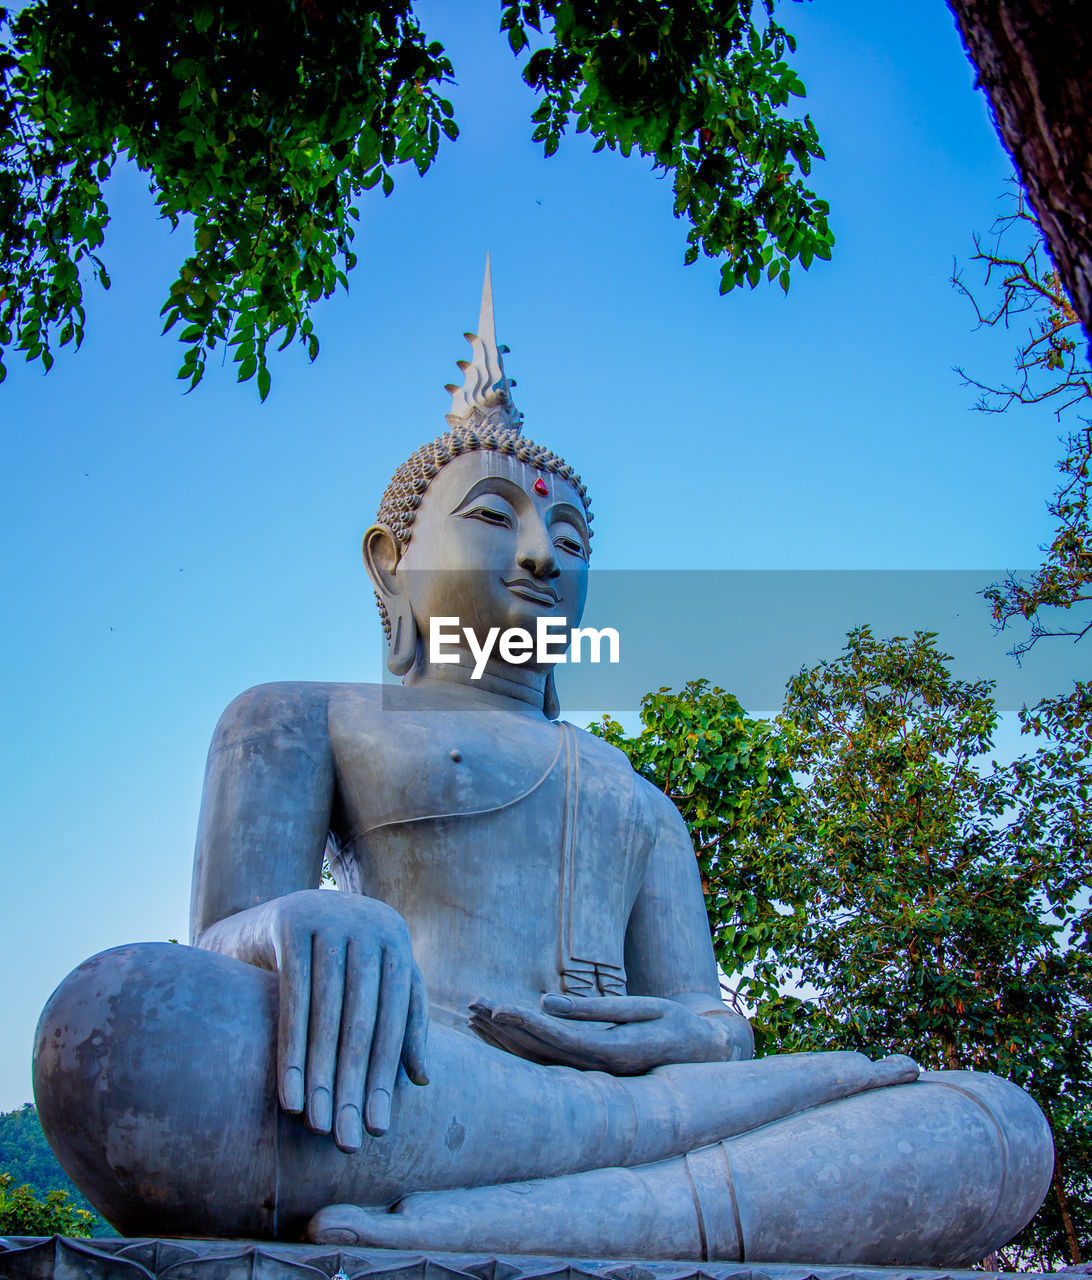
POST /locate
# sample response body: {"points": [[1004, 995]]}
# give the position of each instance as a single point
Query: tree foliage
{"points": [[940, 900], [972, 872], [905, 893], [263, 128], [37, 1185], [700, 88], [262, 125], [22, 1213]]}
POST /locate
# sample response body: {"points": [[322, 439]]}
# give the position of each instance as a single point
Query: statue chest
{"points": [[514, 848]]}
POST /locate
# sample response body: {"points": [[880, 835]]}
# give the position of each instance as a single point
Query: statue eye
{"points": [[491, 516], [571, 545]]}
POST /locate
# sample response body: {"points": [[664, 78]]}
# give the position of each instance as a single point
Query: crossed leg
{"points": [[933, 1173], [155, 1079]]}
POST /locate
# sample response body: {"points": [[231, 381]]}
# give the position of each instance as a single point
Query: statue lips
{"points": [[535, 592]]}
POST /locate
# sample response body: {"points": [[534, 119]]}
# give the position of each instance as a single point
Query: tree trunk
{"points": [[1067, 1218], [1057, 1183], [1034, 60]]}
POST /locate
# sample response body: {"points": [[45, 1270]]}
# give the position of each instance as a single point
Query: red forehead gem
{"points": [[540, 487]]}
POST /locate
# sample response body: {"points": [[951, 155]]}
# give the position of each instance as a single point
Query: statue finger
{"points": [[523, 1041], [390, 1032], [481, 1009], [294, 965], [604, 1008], [323, 1027], [568, 1047], [482, 1025], [480, 1020], [358, 1012], [413, 1044], [552, 1031]]}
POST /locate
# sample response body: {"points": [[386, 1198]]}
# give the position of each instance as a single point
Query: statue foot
{"points": [[617, 1212], [349, 1224], [896, 1068], [645, 1212]]}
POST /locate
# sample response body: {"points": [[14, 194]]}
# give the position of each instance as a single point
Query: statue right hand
{"points": [[352, 1006]]}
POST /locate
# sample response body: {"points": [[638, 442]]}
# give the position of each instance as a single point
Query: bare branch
{"points": [[1051, 370]]}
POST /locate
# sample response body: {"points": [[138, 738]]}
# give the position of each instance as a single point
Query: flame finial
{"points": [[485, 397]]}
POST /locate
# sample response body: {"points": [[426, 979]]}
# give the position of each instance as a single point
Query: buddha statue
{"points": [[503, 1031]]}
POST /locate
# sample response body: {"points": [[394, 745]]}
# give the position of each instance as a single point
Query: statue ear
{"points": [[381, 555]]}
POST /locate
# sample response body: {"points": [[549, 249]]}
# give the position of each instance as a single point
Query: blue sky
{"points": [[163, 552]]}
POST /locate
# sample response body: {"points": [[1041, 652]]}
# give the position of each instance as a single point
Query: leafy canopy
{"points": [[22, 1213], [26, 1158], [263, 127], [700, 88], [940, 900], [938, 897]]}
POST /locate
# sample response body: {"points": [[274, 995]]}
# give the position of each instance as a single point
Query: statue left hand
{"points": [[622, 1035]]}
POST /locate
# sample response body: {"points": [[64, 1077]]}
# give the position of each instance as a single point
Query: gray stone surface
{"points": [[505, 1031], [36, 1258]]}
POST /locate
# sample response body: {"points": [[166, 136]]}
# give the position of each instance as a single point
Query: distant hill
{"points": [[25, 1154]]}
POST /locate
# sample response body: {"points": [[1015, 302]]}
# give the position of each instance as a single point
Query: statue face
{"points": [[491, 550]]}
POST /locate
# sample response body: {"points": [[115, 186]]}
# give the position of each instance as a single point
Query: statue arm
{"points": [[352, 1003], [265, 808], [669, 953]]}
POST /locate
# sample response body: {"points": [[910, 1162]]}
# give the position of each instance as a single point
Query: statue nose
{"points": [[539, 560], [535, 550]]}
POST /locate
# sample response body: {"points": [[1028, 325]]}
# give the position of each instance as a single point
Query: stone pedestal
{"points": [[54, 1258]]}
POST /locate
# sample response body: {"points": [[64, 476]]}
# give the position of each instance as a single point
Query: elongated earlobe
{"points": [[551, 708], [402, 646], [381, 555]]}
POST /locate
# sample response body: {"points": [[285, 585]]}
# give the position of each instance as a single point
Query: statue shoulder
{"points": [[597, 749], [660, 808], [610, 759], [283, 710], [668, 817]]}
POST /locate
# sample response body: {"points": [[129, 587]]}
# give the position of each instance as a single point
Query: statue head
{"points": [[481, 523]]}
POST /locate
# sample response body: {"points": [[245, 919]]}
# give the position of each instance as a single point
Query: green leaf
{"points": [[271, 176]]}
